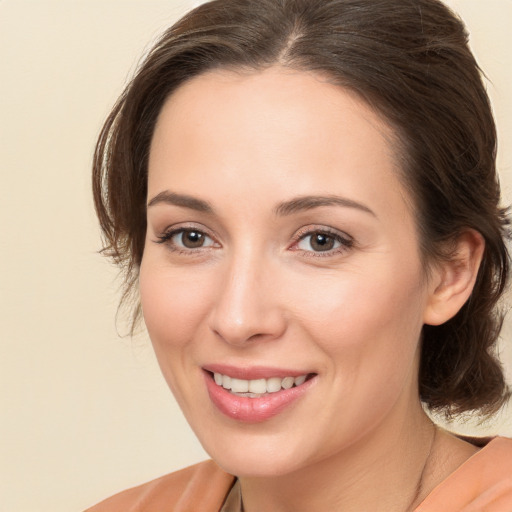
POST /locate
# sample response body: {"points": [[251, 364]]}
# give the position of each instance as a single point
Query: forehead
{"points": [[275, 132], [301, 100]]}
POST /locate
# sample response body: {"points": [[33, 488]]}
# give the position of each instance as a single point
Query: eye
{"points": [[322, 241], [318, 242], [183, 239], [191, 239]]}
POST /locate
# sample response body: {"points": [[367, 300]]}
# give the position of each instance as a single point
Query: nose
{"points": [[246, 307]]}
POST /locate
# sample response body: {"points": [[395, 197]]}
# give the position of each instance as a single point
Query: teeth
{"points": [[257, 386], [226, 381], [288, 382], [300, 380], [239, 385], [274, 384]]}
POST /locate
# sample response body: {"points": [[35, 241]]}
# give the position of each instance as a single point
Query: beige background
{"points": [[84, 413]]}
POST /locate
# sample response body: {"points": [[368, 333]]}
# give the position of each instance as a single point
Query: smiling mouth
{"points": [[256, 399], [257, 388]]}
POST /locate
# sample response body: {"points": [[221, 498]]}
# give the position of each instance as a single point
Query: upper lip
{"points": [[253, 372]]}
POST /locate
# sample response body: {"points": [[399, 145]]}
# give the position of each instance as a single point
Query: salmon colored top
{"points": [[482, 484]]}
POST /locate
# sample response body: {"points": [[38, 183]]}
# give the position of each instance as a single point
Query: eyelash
{"points": [[345, 242], [166, 238]]}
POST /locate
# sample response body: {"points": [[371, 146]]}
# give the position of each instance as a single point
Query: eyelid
{"points": [[166, 235], [346, 241]]}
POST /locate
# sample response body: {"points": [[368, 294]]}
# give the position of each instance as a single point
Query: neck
{"points": [[385, 470]]}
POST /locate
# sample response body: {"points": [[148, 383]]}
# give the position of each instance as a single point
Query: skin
{"points": [[257, 293]]}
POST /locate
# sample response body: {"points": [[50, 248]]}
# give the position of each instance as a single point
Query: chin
{"points": [[255, 466], [256, 454]]}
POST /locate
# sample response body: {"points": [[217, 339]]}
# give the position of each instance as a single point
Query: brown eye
{"points": [[184, 239], [191, 239], [321, 241]]}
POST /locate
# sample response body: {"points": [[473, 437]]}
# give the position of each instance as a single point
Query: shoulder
{"points": [[203, 486], [483, 482]]}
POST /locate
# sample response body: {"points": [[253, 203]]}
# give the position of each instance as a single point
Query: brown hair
{"points": [[410, 61]]}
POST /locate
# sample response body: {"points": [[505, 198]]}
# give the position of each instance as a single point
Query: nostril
{"points": [[255, 337]]}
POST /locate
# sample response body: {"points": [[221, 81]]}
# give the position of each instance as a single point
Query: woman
{"points": [[305, 195]]}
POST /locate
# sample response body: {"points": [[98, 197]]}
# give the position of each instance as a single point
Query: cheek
{"points": [[368, 327], [359, 303], [173, 304], [368, 323]]}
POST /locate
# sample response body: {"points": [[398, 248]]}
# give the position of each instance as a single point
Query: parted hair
{"points": [[410, 61]]}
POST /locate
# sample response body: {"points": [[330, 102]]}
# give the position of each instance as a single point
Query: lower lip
{"points": [[253, 410]]}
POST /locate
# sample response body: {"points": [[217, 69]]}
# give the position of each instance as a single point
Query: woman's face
{"points": [[281, 246]]}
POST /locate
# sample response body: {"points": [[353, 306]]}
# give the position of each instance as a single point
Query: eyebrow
{"points": [[186, 201], [309, 202], [285, 208]]}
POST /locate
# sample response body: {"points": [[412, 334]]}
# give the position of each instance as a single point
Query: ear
{"points": [[452, 281]]}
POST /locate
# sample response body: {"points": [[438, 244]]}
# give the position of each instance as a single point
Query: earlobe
{"points": [[453, 280]]}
